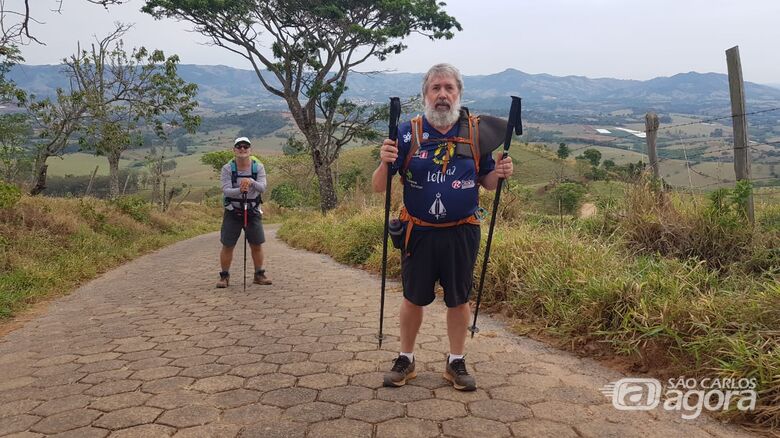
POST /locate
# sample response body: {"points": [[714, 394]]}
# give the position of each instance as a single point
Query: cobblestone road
{"points": [[152, 349]]}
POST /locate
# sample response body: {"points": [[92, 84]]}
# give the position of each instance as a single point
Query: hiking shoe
{"points": [[224, 280], [403, 370], [457, 374], [260, 277]]}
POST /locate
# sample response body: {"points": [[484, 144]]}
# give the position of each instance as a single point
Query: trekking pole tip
{"points": [[473, 329]]}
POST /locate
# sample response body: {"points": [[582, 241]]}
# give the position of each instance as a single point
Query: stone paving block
{"points": [[314, 412], [113, 387], [407, 427], [542, 429], [17, 423], [127, 417], [120, 401], [166, 385], [176, 399], [343, 427], [64, 404], [65, 421], [145, 364], [270, 382], [254, 369], [499, 410], [374, 411], [286, 397], [251, 413], [155, 373], [193, 361], [369, 380], [473, 426], [404, 394], [213, 430], [207, 370], [323, 381], [303, 368], [437, 410], [517, 394], [331, 356], [346, 395], [84, 432], [286, 357], [352, 367], [105, 376], [563, 412], [277, 428], [144, 431], [234, 398], [17, 407], [189, 416]]}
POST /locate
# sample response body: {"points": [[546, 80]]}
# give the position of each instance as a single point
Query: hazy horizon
{"points": [[595, 39]]}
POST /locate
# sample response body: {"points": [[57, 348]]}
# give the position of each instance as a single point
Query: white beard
{"points": [[442, 118]]}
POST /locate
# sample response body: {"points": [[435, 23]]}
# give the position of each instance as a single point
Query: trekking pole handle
{"points": [[514, 123]]}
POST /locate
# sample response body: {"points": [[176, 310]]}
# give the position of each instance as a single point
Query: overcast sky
{"points": [[627, 39]]}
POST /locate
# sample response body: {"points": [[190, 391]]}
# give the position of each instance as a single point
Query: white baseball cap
{"points": [[242, 140]]}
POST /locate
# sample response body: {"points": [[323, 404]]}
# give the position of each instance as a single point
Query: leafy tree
{"points": [[591, 155], [14, 159], [569, 195], [56, 120], [216, 159], [563, 151], [125, 92], [608, 164], [314, 45]]}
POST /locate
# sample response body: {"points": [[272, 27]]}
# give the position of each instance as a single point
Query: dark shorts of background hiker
{"points": [[444, 254], [233, 223]]}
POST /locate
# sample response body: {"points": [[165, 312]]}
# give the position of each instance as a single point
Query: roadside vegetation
{"points": [[48, 246]]}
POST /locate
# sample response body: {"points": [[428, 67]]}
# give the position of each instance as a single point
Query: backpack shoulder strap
{"points": [[233, 172], [255, 168], [474, 138], [416, 140]]}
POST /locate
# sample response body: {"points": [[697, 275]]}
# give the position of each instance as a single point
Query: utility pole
{"points": [[739, 121]]}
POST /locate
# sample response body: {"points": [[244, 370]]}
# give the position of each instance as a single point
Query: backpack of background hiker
{"points": [[234, 181]]}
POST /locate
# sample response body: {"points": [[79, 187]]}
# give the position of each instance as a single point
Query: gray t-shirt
{"points": [[255, 189]]}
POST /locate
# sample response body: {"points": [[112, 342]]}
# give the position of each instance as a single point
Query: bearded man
{"points": [[442, 166]]}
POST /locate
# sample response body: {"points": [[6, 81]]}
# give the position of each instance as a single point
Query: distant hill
{"points": [[225, 88]]}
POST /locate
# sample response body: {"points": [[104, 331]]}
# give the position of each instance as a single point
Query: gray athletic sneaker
{"points": [[457, 374], [403, 370]]}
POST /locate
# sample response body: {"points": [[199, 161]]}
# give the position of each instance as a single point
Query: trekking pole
{"points": [[514, 123], [395, 114], [243, 201]]}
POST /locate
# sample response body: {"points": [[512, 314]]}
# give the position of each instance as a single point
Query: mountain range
{"points": [[223, 88]]}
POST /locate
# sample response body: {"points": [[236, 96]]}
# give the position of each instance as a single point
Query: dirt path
{"points": [[152, 349]]}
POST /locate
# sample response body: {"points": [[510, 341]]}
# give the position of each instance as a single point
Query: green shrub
{"points": [[134, 206], [9, 195], [287, 195], [569, 195]]}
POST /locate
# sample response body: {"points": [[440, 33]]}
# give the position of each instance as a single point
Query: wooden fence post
{"points": [[739, 121]]}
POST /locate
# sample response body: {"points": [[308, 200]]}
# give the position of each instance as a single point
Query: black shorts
{"points": [[446, 255], [233, 223]]}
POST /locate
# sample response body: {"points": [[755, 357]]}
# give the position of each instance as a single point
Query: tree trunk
{"points": [[40, 178], [328, 198], [39, 174], [113, 168]]}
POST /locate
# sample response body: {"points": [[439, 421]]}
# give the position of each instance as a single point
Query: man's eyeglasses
{"points": [[242, 146]]}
